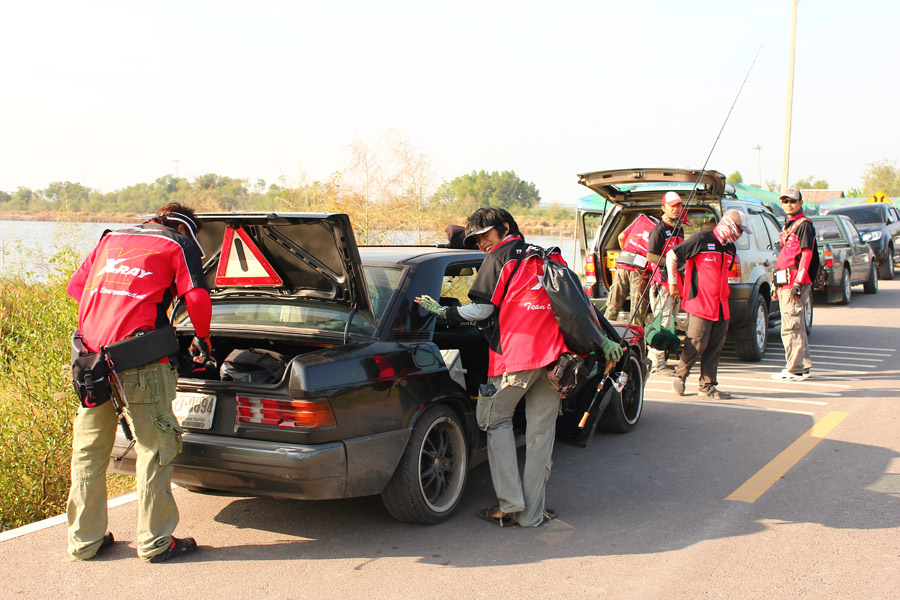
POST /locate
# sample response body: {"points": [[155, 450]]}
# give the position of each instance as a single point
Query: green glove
{"points": [[431, 305], [611, 350]]}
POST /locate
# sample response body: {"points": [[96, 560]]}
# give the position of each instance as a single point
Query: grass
{"points": [[37, 403]]}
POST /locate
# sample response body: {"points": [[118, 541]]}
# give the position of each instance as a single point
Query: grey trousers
{"points": [[494, 413], [793, 330], [703, 340]]}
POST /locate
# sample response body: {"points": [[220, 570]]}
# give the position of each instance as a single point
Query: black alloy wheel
{"points": [[624, 410], [886, 266], [429, 481]]}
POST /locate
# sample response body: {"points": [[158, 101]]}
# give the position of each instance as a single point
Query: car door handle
{"points": [[766, 263]]}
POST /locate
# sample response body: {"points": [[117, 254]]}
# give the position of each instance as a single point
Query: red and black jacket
{"points": [[706, 264]]}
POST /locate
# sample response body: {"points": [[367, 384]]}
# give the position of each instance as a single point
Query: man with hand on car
{"points": [[527, 340], [124, 287], [797, 264], [667, 234], [707, 256]]}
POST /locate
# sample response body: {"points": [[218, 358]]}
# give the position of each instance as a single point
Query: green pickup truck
{"points": [[847, 259]]}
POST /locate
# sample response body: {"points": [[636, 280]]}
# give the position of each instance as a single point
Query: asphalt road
{"points": [[790, 490]]}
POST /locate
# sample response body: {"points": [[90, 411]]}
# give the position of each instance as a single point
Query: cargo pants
{"points": [[793, 330], [628, 284], [150, 390], [494, 413]]}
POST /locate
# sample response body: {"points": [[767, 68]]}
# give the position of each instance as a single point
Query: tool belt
{"points": [[91, 370]]}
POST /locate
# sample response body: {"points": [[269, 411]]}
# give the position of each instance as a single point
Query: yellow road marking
{"points": [[766, 477]]}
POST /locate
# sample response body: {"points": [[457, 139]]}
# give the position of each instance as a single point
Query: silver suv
{"points": [[627, 193]]}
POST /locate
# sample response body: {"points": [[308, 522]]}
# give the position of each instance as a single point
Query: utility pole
{"points": [[176, 161], [790, 103], [758, 166]]}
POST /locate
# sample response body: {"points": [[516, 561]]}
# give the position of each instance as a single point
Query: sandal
{"points": [[179, 547], [505, 520]]}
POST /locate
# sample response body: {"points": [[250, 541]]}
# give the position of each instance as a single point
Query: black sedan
{"points": [[879, 224], [333, 383]]}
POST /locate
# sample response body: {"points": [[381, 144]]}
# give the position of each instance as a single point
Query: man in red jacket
{"points": [[707, 256], [125, 286], [528, 340]]}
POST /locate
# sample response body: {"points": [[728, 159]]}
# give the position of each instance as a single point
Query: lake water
{"points": [[26, 247]]}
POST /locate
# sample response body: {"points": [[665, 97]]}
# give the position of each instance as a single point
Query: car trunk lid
{"points": [[645, 187]]}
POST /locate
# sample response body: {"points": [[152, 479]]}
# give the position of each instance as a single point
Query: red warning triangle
{"points": [[241, 262]]}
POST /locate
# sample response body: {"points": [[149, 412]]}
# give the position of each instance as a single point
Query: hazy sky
{"points": [[113, 93]]}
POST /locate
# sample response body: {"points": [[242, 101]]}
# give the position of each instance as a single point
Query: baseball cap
{"points": [[469, 240], [671, 198], [793, 194]]}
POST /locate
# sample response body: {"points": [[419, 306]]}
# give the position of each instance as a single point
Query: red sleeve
{"points": [[199, 308], [805, 259]]}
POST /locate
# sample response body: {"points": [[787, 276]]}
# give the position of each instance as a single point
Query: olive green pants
{"points": [[150, 390], [793, 329]]}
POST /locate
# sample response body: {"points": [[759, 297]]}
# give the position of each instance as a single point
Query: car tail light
{"points": [[734, 273], [829, 258], [296, 414], [590, 273]]}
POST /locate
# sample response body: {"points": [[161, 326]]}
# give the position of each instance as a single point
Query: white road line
{"points": [[852, 363], [738, 406], [771, 389], [740, 395], [767, 377]]}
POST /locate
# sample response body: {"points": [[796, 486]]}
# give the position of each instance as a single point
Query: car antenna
{"points": [[690, 199]]}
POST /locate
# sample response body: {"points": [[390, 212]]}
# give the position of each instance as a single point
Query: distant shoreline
{"points": [[525, 227]]}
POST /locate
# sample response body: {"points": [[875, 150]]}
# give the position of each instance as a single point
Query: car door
{"points": [[893, 227], [859, 252]]}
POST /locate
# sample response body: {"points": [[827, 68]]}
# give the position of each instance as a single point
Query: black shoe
{"points": [[179, 547]]}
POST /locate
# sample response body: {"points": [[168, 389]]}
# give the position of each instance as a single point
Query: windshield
{"points": [[300, 313], [682, 188], [827, 230], [861, 214]]}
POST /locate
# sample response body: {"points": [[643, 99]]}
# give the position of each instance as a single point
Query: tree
{"points": [[490, 189], [881, 175], [735, 178], [772, 185], [810, 183]]}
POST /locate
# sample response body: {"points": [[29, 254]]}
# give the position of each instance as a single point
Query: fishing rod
{"points": [[685, 205]]}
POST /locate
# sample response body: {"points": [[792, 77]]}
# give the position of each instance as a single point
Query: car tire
{"points": [[429, 481], [624, 410], [871, 286], [886, 266], [754, 348], [844, 288]]}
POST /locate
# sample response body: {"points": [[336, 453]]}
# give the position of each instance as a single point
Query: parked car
{"points": [[879, 224], [376, 396], [847, 259], [633, 192]]}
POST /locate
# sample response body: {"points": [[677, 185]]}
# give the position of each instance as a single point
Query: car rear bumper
{"points": [[356, 467]]}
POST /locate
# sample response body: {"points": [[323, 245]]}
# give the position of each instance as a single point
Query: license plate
{"points": [[194, 410]]}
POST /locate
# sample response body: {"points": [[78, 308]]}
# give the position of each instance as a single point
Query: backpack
{"points": [[255, 365]]}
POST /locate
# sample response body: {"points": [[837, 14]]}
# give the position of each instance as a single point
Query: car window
{"points": [[380, 282], [827, 230], [760, 234], [773, 230], [861, 214], [853, 232], [457, 282], [892, 215]]}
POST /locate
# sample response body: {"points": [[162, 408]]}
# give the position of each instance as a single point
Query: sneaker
{"points": [[678, 385], [179, 547], [716, 394], [663, 370], [785, 375]]}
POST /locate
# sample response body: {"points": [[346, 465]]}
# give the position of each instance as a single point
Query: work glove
{"points": [[201, 350], [431, 305], [611, 350], [795, 291]]}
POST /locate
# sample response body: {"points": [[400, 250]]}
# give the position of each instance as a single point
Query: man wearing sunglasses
{"points": [[798, 261]]}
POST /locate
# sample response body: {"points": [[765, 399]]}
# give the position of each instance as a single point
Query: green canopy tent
{"points": [[772, 200]]}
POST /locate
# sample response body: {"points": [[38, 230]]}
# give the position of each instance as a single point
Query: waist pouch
{"points": [[631, 259], [90, 374], [569, 373], [782, 276], [142, 348]]}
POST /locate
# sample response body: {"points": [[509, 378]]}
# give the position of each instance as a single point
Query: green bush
{"points": [[37, 403]]}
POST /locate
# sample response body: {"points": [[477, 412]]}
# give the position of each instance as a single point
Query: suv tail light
{"points": [[590, 273], [734, 273], [296, 414], [829, 258]]}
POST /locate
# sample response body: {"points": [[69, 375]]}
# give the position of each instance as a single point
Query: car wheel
{"points": [[886, 267], [753, 349], [431, 476], [624, 410], [871, 286], [844, 287]]}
